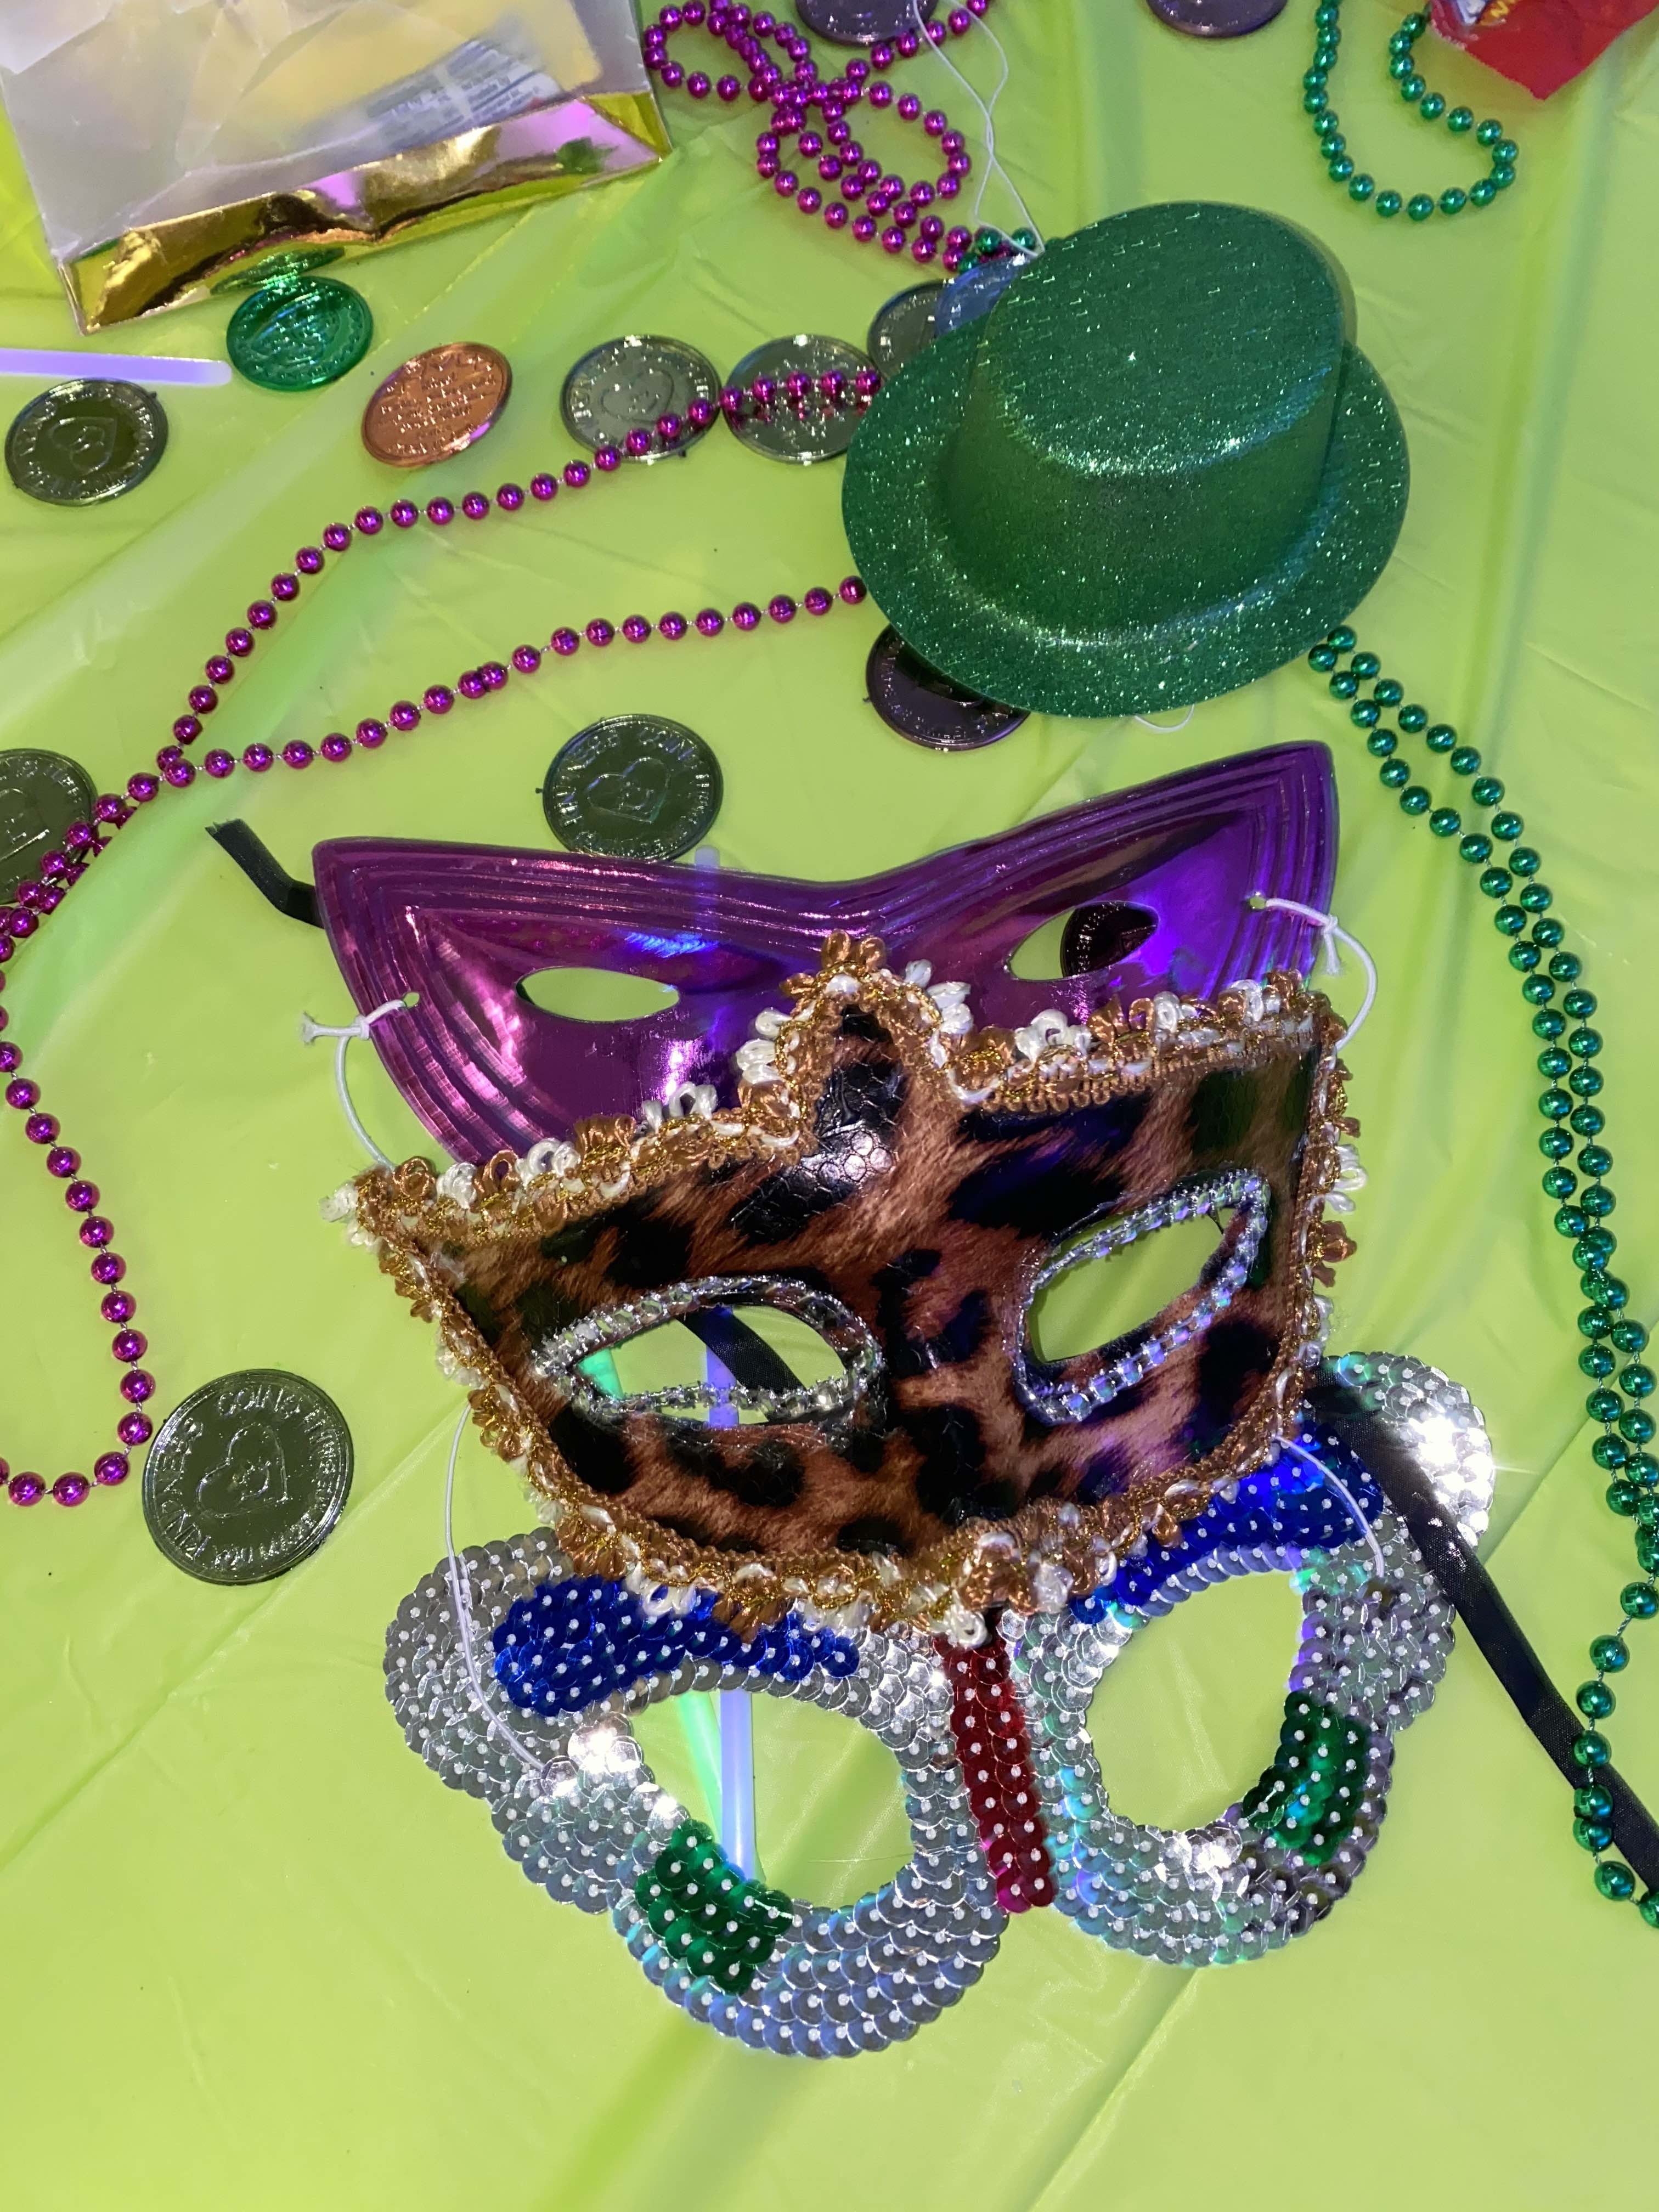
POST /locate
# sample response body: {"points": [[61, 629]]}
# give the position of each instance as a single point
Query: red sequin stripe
{"points": [[996, 1759]]}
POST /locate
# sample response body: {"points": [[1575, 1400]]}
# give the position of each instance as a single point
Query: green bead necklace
{"points": [[1328, 37], [1618, 1400], [991, 244]]}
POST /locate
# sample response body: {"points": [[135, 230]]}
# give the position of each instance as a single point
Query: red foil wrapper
{"points": [[1539, 44]]}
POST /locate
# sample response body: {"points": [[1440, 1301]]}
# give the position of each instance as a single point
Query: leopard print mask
{"points": [[904, 1183], [907, 1191]]}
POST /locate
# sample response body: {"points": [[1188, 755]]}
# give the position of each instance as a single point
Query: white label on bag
{"points": [[479, 83]]}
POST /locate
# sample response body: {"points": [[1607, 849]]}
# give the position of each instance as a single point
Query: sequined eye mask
{"points": [[946, 1536]]}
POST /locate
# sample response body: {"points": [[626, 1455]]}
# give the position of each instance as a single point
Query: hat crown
{"points": [[1160, 467], [1150, 409], [1165, 337]]}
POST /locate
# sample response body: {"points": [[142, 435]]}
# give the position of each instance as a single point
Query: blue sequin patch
{"points": [[1285, 1505], [575, 1642]]}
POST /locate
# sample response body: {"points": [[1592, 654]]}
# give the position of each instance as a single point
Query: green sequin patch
{"points": [[706, 1915], [1308, 1799]]}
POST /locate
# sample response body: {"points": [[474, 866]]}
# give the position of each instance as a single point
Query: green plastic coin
{"points": [[294, 337], [290, 268]]}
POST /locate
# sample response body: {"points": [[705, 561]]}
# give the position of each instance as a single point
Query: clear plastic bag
{"points": [[136, 115]]}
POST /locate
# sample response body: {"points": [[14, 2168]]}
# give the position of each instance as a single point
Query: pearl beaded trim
{"points": [[1047, 1050], [418, 1228]]}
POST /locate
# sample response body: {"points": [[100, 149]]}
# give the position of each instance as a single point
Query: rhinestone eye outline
{"points": [[1053, 1390], [694, 1405]]}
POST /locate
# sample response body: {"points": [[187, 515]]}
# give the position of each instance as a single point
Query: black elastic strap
{"points": [[1498, 1634], [747, 1357], [265, 873]]}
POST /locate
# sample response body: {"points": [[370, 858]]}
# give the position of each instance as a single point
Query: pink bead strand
{"points": [[60, 871], [840, 158], [96, 1232]]}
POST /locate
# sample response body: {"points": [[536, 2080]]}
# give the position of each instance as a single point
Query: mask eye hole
{"points": [[1083, 941], [714, 1352], [755, 1348], [1100, 935], [1102, 1296], [1071, 1385], [597, 995], [858, 1837], [1181, 1728]]}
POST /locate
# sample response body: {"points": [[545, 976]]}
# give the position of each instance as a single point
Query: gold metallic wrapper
{"points": [[557, 148]]}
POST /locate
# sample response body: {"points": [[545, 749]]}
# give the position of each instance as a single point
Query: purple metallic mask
{"points": [[463, 926]]}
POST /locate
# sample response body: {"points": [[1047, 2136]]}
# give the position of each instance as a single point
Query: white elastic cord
{"points": [[309, 1033], [1339, 1489], [463, 1610], [991, 164], [1331, 935], [1168, 728], [735, 1709]]}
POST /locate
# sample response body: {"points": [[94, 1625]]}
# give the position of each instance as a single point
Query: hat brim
{"points": [[893, 509]]}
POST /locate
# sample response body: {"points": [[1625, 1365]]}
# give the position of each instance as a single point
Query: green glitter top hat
{"points": [[1159, 468]]}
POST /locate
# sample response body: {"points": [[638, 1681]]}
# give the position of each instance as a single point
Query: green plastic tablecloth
{"points": [[255, 1955]]}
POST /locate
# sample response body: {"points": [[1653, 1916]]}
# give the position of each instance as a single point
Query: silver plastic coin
{"points": [[813, 431], [636, 786], [929, 708], [630, 384], [904, 326], [40, 794], [92, 439], [247, 1476], [860, 22]]}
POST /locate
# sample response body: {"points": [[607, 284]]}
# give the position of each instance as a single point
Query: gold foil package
{"points": [[177, 147]]}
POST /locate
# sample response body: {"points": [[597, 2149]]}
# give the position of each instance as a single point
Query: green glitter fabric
{"points": [[1158, 469]]}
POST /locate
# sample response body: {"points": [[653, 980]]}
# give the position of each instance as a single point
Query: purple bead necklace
{"points": [[37, 900], [891, 210]]}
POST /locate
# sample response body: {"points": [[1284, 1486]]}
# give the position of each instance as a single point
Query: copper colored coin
{"points": [[927, 707], [437, 405]]}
